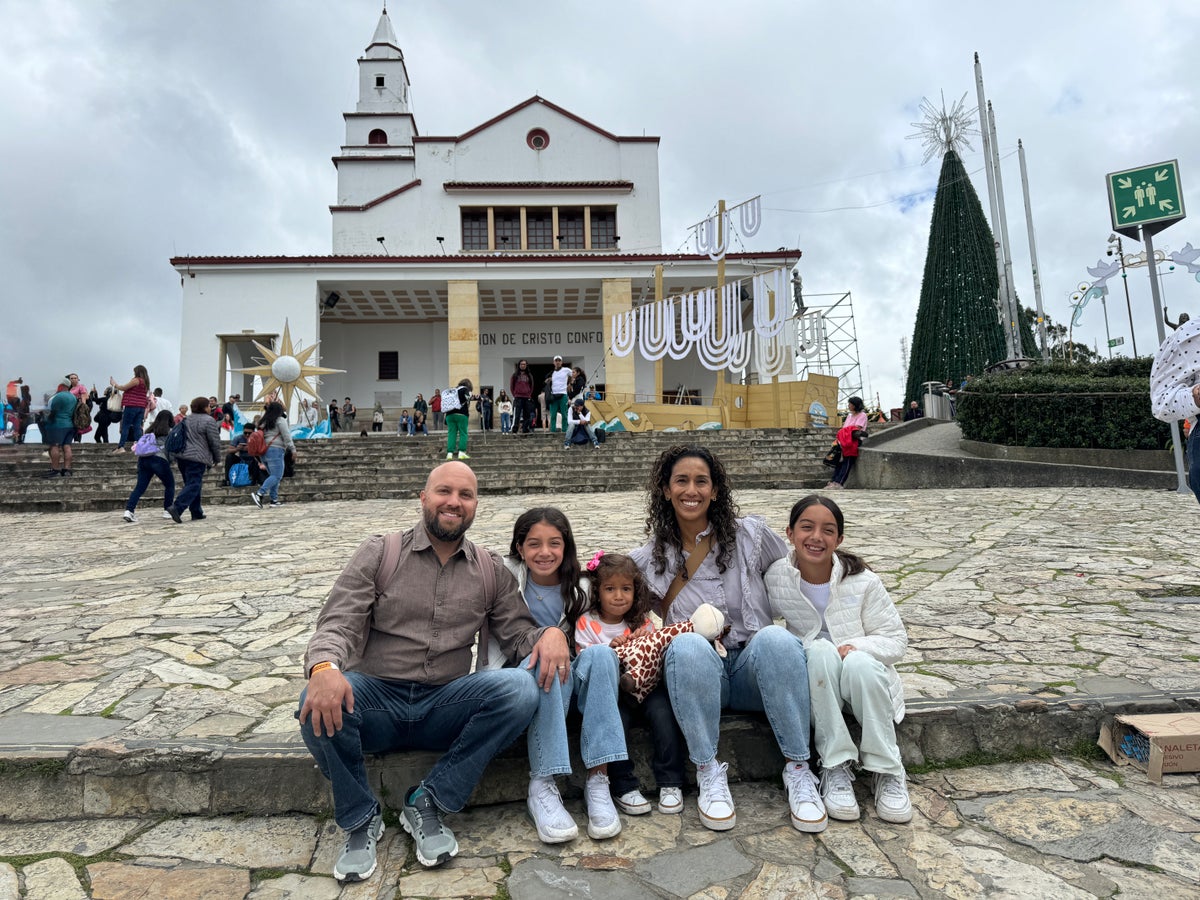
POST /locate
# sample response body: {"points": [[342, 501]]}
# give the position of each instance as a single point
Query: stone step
{"points": [[275, 774], [391, 467]]}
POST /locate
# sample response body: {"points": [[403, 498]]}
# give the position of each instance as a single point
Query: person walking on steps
{"points": [[278, 439], [456, 405]]}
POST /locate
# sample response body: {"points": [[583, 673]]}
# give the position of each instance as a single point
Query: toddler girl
{"points": [[620, 603], [853, 637]]}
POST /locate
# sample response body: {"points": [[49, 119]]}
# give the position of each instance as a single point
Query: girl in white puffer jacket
{"points": [[853, 636]]}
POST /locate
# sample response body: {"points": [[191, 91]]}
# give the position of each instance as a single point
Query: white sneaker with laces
{"points": [[891, 799], [129, 517], [603, 821], [632, 803], [837, 790], [670, 801], [804, 801], [166, 515], [554, 823], [716, 803]]}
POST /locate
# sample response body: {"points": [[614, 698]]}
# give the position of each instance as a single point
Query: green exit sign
{"points": [[1149, 197]]}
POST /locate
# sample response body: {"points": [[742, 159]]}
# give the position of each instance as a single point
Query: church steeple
{"points": [[382, 77]]}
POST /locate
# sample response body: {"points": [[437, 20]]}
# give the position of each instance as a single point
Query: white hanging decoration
{"points": [[696, 313], [810, 334], [624, 334], [750, 215], [739, 352], [656, 327], [769, 356], [716, 238], [766, 322]]}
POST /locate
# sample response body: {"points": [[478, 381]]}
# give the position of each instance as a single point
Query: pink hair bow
{"points": [[595, 561]]}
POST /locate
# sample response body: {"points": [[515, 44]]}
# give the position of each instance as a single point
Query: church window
{"points": [[508, 229], [539, 229], [389, 365], [570, 229], [538, 139], [604, 229], [377, 136], [379, 81], [474, 229]]}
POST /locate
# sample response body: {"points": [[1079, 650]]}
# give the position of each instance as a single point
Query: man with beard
{"points": [[388, 670]]}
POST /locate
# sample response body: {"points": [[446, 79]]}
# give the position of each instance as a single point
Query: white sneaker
{"points": [[554, 823], [891, 799], [166, 515], [715, 801], [603, 821], [837, 791], [670, 800], [804, 801], [130, 517], [632, 803]]}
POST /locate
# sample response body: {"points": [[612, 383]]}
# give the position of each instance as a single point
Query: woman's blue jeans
{"points": [[150, 467], [273, 460], [594, 676], [472, 718], [769, 674], [505, 423], [193, 482], [131, 424]]}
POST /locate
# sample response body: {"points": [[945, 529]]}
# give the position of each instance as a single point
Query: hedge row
{"points": [[1103, 405]]}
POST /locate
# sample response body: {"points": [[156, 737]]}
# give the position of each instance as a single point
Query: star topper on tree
{"points": [[942, 130]]}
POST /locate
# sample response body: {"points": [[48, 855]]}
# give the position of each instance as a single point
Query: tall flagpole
{"points": [[1012, 325], [984, 132], [1033, 260]]}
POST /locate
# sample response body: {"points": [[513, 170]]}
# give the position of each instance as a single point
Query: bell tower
{"points": [[377, 156]]}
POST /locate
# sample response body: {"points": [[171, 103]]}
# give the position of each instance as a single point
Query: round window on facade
{"points": [[538, 139]]}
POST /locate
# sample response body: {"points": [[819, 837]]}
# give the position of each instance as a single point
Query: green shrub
{"points": [[1103, 405]]}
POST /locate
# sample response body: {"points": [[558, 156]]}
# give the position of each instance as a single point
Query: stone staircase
{"points": [[384, 466]]}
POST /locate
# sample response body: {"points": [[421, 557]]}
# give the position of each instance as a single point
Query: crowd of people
{"points": [[517, 642]]}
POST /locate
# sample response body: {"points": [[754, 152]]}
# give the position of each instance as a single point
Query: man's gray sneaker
{"points": [[357, 862], [434, 842]]}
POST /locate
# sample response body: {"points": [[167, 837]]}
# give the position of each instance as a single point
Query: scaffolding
{"points": [[839, 352]]}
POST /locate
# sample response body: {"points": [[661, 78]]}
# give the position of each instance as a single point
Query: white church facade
{"points": [[525, 237]]}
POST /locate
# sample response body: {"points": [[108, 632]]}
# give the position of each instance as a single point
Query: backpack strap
{"points": [[389, 563], [487, 572]]}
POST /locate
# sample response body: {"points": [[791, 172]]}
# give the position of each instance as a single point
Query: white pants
{"points": [[862, 681]]}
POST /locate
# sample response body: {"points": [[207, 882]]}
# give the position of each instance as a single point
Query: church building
{"points": [[523, 237]]}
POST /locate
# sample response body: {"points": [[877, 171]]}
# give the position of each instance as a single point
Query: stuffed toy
{"points": [[641, 657]]}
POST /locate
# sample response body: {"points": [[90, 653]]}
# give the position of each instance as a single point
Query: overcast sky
{"points": [[135, 130]]}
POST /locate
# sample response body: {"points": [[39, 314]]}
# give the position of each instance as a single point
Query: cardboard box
{"points": [[1166, 744]]}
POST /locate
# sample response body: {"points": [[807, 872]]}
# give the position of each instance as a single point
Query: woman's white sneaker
{"points": [[554, 823], [804, 801], [670, 800], [837, 791], [715, 801], [891, 799], [603, 821]]}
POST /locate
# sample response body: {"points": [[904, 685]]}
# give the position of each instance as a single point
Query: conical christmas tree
{"points": [[958, 332]]}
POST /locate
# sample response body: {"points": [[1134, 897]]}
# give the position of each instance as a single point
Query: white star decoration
{"points": [[287, 370]]}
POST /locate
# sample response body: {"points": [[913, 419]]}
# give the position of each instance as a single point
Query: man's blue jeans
{"points": [[769, 674], [1193, 458], [472, 718], [274, 462], [594, 676], [193, 480]]}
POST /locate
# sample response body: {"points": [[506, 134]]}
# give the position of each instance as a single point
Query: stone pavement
{"points": [[124, 646]]}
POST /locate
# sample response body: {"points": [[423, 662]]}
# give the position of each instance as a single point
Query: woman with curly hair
{"points": [[545, 562], [700, 551]]}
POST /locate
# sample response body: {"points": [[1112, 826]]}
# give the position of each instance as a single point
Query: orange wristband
{"points": [[320, 667]]}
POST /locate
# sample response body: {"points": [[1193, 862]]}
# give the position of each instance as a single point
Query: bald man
{"points": [[389, 671]]}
